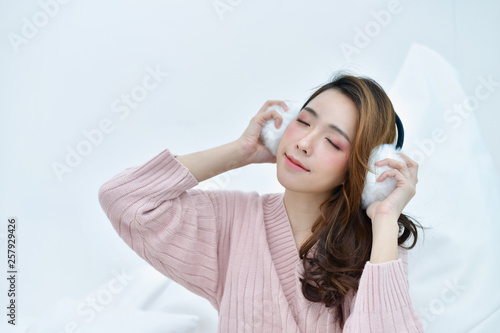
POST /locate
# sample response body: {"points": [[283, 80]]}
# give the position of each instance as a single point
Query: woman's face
{"points": [[320, 139]]}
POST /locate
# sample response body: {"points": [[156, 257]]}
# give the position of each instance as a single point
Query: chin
{"points": [[279, 175], [289, 182]]}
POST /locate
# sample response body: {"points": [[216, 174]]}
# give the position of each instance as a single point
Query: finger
{"points": [[401, 166], [272, 114], [412, 166], [393, 173], [409, 161], [270, 103], [402, 181]]}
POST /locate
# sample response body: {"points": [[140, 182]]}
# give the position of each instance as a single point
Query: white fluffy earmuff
{"points": [[372, 191], [270, 135]]}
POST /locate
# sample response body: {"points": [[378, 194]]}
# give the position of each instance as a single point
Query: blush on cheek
{"points": [[289, 132], [290, 129], [337, 162]]}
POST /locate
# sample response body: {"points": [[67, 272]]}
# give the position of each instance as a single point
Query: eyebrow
{"points": [[330, 126]]}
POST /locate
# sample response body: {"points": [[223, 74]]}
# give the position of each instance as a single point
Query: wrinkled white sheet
{"points": [[454, 272], [149, 303]]}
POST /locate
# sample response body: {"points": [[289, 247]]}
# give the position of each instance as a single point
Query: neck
{"points": [[302, 209]]}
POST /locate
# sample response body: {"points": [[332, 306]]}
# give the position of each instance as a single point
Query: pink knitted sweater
{"points": [[237, 250]]}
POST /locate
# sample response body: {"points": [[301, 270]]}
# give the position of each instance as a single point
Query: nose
{"points": [[305, 144]]}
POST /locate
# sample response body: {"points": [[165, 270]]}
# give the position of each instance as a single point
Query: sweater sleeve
{"points": [[382, 302], [178, 230]]}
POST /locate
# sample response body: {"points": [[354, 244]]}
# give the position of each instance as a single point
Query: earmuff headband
{"points": [[401, 132]]}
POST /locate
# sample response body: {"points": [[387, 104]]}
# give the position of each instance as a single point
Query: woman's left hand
{"points": [[406, 177]]}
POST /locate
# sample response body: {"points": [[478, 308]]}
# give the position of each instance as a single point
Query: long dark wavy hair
{"points": [[343, 232]]}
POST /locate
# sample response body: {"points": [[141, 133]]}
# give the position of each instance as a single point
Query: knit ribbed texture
{"points": [[237, 250]]}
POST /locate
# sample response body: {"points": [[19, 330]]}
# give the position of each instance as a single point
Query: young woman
{"points": [[306, 260]]}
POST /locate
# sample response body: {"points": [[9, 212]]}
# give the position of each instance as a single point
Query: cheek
{"points": [[290, 130], [288, 135], [334, 162]]}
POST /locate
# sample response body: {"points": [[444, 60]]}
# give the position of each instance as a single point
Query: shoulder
{"points": [[230, 198]]}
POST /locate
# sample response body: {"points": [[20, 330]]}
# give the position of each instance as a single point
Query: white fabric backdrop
{"points": [[189, 76]]}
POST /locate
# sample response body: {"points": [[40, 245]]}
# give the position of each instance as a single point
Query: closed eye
{"points": [[333, 144], [300, 121]]}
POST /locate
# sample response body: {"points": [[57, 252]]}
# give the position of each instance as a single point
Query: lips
{"points": [[297, 162]]}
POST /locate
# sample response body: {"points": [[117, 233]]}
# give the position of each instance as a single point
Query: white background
{"points": [[69, 74]]}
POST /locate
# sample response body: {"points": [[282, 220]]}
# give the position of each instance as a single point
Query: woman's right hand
{"points": [[249, 144]]}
